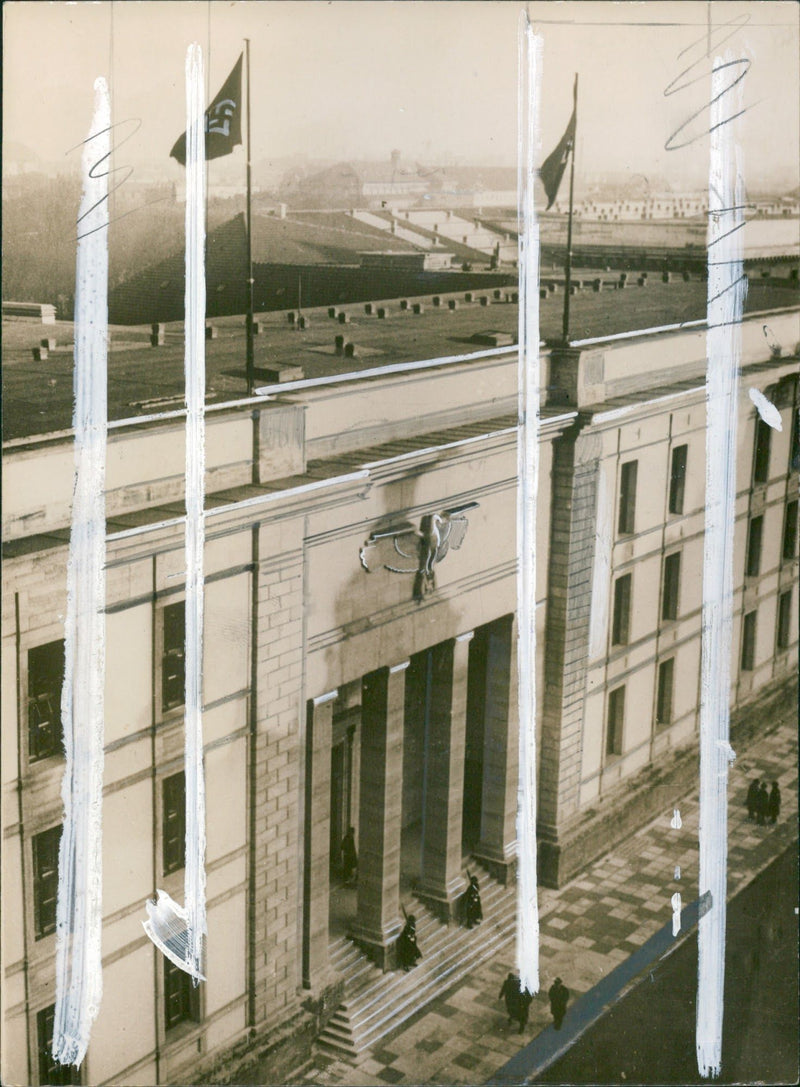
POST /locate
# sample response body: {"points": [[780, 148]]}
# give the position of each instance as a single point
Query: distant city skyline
{"points": [[436, 80]]}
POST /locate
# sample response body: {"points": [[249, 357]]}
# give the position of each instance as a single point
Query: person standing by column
{"points": [[349, 856]]}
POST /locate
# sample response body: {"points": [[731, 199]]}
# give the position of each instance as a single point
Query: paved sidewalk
{"points": [[587, 928]]}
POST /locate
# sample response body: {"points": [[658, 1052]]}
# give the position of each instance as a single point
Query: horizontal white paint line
{"points": [[680, 327], [639, 332], [438, 448], [383, 371], [246, 503]]}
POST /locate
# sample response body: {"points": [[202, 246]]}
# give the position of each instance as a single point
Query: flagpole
{"points": [[249, 319], [568, 265]]}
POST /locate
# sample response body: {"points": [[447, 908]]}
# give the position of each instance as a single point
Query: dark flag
{"points": [[552, 169], [223, 120]]}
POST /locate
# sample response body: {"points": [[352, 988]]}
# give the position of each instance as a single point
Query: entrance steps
{"points": [[376, 1003]]}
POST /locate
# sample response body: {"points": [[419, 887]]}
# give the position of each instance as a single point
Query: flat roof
{"points": [[144, 380]]}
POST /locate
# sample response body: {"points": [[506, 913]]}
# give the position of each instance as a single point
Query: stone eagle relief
{"points": [[403, 549]]}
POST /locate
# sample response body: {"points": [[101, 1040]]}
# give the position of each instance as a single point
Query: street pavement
{"points": [[588, 928]]}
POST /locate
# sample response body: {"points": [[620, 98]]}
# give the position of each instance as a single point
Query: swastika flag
{"points": [[223, 120]]}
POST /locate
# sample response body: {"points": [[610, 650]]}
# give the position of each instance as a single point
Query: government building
{"points": [[360, 660]]}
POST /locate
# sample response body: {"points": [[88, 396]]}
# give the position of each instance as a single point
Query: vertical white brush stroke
{"points": [[195, 368], [79, 916], [530, 52], [726, 288]]}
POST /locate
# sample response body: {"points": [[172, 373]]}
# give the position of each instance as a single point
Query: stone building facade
{"points": [[340, 692]]}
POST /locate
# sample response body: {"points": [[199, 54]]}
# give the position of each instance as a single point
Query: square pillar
{"points": [[497, 849], [316, 867], [380, 808], [442, 880]]}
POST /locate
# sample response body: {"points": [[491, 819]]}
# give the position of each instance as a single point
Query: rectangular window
{"points": [[45, 880], [790, 531], [45, 680], [616, 718], [622, 610], [627, 497], [173, 792], [671, 590], [761, 451], [794, 443], [749, 642], [181, 998], [50, 1071], [677, 478], [666, 676], [784, 619], [754, 537], [173, 668]]}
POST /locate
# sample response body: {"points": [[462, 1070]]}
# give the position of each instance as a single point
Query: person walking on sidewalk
{"points": [[774, 803], [559, 995], [762, 808], [518, 1001], [752, 799]]}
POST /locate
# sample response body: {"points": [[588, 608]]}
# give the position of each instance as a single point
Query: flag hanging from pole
{"points": [[223, 120], [552, 169]]}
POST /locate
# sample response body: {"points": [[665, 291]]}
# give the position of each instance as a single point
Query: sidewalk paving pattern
{"points": [[587, 928]]}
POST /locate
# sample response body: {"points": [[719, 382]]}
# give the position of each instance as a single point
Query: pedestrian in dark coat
{"points": [[752, 799], [406, 948], [762, 808], [349, 855], [774, 803], [559, 995], [473, 911], [518, 1001]]}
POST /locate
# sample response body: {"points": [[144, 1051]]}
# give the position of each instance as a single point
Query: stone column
{"points": [[316, 869], [576, 459], [380, 808], [442, 880], [497, 849]]}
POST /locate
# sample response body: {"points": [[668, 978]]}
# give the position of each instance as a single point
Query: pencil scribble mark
{"points": [[105, 149], [714, 39]]}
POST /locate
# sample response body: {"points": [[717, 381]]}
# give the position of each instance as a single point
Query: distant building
{"points": [[349, 682]]}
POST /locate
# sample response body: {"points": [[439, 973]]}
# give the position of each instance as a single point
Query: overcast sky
{"points": [[436, 79]]}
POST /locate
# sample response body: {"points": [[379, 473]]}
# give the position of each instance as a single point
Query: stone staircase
{"points": [[376, 1003]]}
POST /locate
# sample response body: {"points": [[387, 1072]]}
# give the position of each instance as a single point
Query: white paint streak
{"points": [[726, 288], [79, 915], [530, 52], [180, 933], [676, 913], [676, 822], [677, 873], [195, 367], [766, 409]]}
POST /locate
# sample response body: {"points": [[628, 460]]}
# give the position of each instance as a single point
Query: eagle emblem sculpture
{"points": [[403, 549]]}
